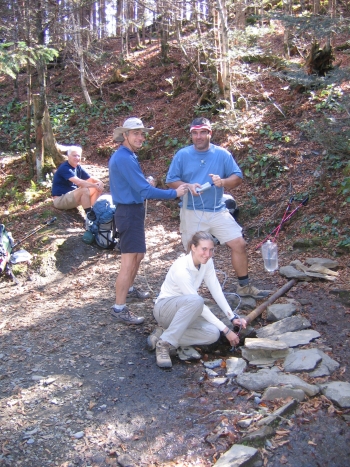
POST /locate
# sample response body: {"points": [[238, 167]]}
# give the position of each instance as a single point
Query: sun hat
{"points": [[200, 123], [131, 123]]}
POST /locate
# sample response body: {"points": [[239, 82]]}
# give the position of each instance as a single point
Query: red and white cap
{"points": [[200, 123]]}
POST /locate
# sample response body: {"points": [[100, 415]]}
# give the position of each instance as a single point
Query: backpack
{"points": [[103, 227], [6, 245]]}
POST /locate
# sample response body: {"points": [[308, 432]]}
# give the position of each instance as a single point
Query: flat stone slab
{"points": [[266, 377], [294, 339], [237, 456], [293, 323], [235, 366], [283, 392], [280, 311], [302, 360], [338, 392], [263, 350], [289, 407], [291, 273], [259, 435], [326, 367], [326, 262]]}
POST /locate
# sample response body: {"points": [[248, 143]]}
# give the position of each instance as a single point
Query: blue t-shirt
{"points": [[127, 182], [61, 183], [192, 166]]}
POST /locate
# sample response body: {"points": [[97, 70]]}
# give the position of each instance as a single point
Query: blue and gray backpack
{"points": [[103, 227]]}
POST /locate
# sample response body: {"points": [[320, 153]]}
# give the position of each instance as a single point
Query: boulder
{"points": [[293, 323], [338, 392], [237, 456], [280, 311]]}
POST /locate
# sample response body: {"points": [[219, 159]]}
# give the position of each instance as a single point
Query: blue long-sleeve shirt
{"points": [[127, 182]]}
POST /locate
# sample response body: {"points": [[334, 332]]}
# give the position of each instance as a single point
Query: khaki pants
{"points": [[66, 201], [181, 317]]}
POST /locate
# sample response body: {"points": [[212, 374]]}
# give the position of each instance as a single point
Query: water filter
{"points": [[270, 255]]}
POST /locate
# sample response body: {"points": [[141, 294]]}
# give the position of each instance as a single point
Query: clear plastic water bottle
{"points": [[270, 255]]}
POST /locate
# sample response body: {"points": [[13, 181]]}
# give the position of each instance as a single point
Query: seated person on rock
{"points": [[180, 312], [72, 186]]}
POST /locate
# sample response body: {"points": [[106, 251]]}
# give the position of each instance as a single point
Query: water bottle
{"points": [[270, 255]]}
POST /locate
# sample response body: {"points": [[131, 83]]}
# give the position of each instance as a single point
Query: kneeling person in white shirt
{"points": [[181, 311]]}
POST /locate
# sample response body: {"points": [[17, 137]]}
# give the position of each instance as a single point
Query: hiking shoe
{"points": [[153, 338], [188, 353], [125, 316], [91, 215], [163, 354], [88, 223], [137, 294], [251, 291]]}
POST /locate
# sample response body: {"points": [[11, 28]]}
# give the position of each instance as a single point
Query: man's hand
{"points": [[99, 185], [217, 180], [181, 190], [192, 187]]}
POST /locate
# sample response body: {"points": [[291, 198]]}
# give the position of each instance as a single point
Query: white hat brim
{"points": [[120, 130]]}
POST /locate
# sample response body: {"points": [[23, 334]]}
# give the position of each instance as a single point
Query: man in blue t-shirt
{"points": [[205, 163], [129, 189], [72, 186]]}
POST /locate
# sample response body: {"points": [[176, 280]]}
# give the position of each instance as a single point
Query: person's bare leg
{"points": [[239, 257], [82, 197], [94, 195], [130, 263]]}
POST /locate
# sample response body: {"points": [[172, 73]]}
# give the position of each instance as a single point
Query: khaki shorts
{"points": [[66, 201], [220, 224]]}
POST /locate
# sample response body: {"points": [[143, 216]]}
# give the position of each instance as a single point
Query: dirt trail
{"points": [[78, 389]]}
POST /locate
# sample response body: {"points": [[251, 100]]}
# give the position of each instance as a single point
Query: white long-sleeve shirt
{"points": [[184, 278]]}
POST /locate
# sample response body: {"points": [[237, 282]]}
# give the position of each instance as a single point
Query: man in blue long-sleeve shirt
{"points": [[129, 189]]}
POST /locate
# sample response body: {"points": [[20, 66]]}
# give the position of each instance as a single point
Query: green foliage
{"points": [[13, 56], [13, 123], [123, 107], [256, 166], [328, 98]]}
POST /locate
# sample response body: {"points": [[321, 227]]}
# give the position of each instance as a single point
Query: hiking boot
{"points": [[163, 354], [91, 215], [251, 291], [125, 316], [188, 353], [153, 338], [137, 294]]}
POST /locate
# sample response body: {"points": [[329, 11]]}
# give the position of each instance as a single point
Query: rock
{"points": [[247, 303], [235, 366], [291, 273], [259, 435], [322, 269], [259, 350], [280, 311], [294, 323], [326, 367], [293, 339], [326, 262], [238, 455], [219, 381], [210, 372], [302, 360], [245, 423], [78, 435], [264, 378], [213, 364], [283, 392], [292, 405], [338, 392]]}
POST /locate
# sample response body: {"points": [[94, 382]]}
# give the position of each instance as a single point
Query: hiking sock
{"points": [[119, 307], [243, 280], [131, 289]]}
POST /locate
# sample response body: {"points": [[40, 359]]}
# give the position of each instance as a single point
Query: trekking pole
{"points": [[302, 203], [49, 222], [291, 199]]}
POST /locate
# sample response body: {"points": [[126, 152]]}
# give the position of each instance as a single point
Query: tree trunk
{"points": [[39, 136], [51, 149]]}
